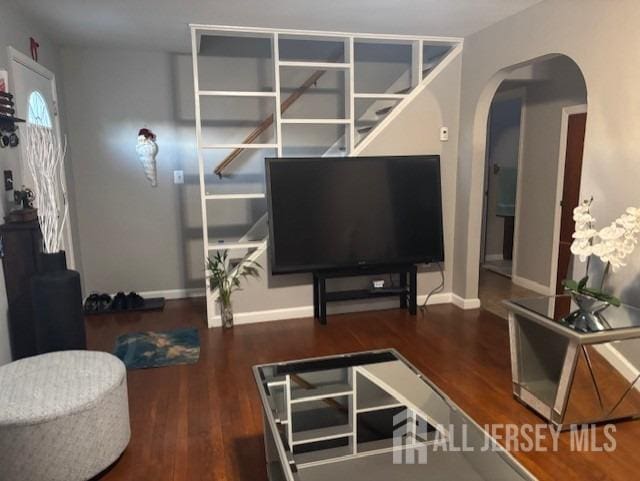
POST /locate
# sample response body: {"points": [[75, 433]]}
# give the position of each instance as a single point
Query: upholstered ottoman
{"points": [[64, 416]]}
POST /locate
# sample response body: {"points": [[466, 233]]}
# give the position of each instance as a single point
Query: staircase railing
{"points": [[267, 122]]}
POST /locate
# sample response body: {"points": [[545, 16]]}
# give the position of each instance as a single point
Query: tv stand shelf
{"points": [[407, 292]]}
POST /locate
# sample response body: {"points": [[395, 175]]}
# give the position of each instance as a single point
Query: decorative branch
{"points": [[45, 160]]}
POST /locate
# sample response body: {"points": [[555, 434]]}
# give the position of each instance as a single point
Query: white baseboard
{"points": [[265, 316], [172, 294], [307, 311], [531, 285], [493, 257], [463, 303]]}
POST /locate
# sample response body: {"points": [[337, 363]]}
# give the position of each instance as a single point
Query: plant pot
{"points": [[57, 305], [589, 316], [226, 314]]}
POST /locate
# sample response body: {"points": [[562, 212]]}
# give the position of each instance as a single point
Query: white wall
{"points": [[600, 38], [15, 31]]}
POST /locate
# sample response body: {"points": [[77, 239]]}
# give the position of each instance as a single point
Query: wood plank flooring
{"points": [[203, 421]]}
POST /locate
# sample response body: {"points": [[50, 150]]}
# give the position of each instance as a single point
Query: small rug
{"points": [[141, 350]]}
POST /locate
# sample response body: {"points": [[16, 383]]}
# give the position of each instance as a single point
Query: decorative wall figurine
{"points": [[147, 150]]}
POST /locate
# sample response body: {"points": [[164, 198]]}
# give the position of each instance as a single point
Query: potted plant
{"points": [[226, 281], [56, 291], [611, 245]]}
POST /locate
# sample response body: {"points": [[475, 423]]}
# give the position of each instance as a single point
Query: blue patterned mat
{"points": [[143, 350]]}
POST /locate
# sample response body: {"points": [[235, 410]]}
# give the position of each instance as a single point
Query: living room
{"points": [[207, 270]]}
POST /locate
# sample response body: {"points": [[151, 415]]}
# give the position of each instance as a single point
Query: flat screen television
{"points": [[347, 212]]}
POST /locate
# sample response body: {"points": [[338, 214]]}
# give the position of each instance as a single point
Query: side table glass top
{"points": [[559, 308]]}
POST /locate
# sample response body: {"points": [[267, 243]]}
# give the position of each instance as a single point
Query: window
{"points": [[38, 111]]}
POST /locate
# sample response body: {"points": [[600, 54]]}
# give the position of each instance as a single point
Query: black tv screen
{"points": [[343, 212]]}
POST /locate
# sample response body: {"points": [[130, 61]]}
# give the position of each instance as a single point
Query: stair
{"points": [[358, 131]]}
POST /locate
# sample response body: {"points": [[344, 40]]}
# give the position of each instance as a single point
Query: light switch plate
{"points": [[178, 176]]}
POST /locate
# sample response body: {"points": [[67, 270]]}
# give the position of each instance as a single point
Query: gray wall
{"points": [[541, 145], [599, 40], [15, 31], [134, 237]]}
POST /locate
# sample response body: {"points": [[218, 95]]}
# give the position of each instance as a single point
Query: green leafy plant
{"points": [[580, 287], [227, 281]]}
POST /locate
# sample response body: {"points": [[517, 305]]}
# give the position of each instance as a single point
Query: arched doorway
{"points": [[534, 126]]}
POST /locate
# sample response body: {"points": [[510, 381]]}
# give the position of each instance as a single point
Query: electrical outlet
{"points": [[8, 180], [444, 134], [178, 176]]}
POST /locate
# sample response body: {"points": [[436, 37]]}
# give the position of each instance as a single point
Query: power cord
{"points": [[439, 288]]}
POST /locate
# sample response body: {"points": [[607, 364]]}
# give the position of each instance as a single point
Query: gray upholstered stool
{"points": [[64, 416]]}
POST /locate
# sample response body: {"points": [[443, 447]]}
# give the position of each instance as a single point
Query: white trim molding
{"points": [[466, 304], [531, 285], [173, 294], [307, 311]]}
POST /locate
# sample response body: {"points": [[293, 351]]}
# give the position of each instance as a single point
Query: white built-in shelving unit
{"points": [[419, 73]]}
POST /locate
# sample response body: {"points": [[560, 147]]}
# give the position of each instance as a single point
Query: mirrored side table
{"points": [[569, 376]]}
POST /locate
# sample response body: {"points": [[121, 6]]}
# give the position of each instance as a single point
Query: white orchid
{"points": [[613, 243]]}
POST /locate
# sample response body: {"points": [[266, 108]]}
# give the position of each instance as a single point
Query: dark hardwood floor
{"points": [[203, 421]]}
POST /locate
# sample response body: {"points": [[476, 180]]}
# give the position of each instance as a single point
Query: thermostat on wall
{"points": [[444, 134]]}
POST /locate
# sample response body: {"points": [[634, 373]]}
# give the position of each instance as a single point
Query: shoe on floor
{"points": [[119, 302], [92, 302], [104, 303], [134, 301]]}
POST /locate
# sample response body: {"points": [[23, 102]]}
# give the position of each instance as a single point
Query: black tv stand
{"points": [[407, 291]]}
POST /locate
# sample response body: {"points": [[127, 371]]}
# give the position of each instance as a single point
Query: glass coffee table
{"points": [[575, 373], [370, 416]]}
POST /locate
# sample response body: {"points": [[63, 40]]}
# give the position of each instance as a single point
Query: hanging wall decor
{"points": [[147, 150]]}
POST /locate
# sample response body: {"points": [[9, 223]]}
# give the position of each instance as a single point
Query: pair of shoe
{"points": [[124, 302], [97, 303]]}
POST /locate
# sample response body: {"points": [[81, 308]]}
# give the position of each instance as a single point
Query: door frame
{"points": [[15, 56], [562, 157], [521, 93]]}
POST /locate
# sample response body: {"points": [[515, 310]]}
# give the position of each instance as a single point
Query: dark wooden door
{"points": [[570, 192]]}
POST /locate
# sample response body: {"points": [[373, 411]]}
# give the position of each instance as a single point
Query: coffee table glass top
{"points": [[560, 308], [348, 417]]}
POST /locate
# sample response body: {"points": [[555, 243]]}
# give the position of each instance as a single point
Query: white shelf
{"points": [[235, 245], [239, 146], [380, 96], [313, 458], [380, 407], [318, 65], [232, 93], [322, 434], [316, 121], [299, 395], [233, 196]]}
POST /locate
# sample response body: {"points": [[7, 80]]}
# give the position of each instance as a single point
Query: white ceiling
{"points": [[162, 24]]}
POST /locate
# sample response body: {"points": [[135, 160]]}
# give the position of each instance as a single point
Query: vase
{"points": [[589, 316], [57, 305], [226, 314]]}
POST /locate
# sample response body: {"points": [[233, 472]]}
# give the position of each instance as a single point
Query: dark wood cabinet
{"points": [[21, 244]]}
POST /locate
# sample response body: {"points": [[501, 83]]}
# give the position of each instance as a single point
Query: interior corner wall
{"points": [[15, 31], [539, 167], [599, 37]]}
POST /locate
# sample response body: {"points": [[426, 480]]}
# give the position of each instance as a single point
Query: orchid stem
{"points": [[604, 275]]}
